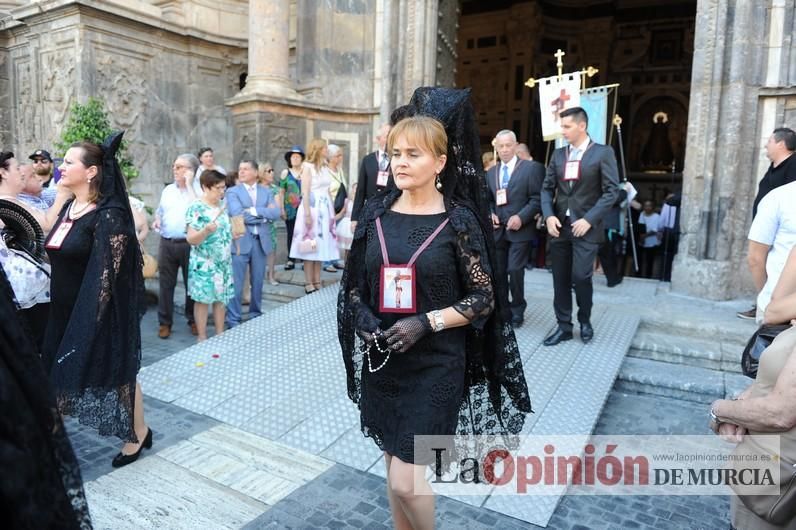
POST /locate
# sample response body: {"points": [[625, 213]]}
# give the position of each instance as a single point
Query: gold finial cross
{"points": [[559, 63]]}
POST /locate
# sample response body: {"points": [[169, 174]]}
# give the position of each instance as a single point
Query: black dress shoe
{"points": [[517, 321], [586, 332], [559, 335], [617, 282], [122, 459]]}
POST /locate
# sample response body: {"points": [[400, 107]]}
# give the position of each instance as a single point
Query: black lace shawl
{"points": [[95, 367], [40, 485], [496, 398]]}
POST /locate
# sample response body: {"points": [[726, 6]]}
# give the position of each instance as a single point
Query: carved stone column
{"points": [[718, 181], [268, 49]]}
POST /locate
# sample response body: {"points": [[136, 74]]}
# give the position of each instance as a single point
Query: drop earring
{"points": [[438, 183]]}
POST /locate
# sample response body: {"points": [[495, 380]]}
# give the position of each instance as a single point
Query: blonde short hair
{"points": [[423, 131]]}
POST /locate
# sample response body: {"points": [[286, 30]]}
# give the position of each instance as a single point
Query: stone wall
{"points": [[163, 85], [742, 88]]}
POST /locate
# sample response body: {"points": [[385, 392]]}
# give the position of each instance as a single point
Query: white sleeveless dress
{"points": [[322, 229]]}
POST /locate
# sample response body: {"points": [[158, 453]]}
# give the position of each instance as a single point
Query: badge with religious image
{"points": [[572, 171], [397, 291], [501, 199], [58, 235]]}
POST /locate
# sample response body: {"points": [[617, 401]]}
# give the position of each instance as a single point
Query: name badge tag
{"points": [[59, 234], [501, 199], [572, 171], [381, 178], [397, 289]]}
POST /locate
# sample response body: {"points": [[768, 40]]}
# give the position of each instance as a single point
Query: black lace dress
{"points": [[68, 268], [40, 485], [420, 392], [92, 347]]}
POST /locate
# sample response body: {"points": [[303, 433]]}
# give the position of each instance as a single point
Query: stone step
{"points": [[721, 354], [729, 329], [679, 381]]}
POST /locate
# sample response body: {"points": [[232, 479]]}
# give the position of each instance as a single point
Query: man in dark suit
{"points": [[514, 187], [580, 188], [374, 175]]}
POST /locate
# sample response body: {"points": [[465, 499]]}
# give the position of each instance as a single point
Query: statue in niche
{"points": [[657, 154]]}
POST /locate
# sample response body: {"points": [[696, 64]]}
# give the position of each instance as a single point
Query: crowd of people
{"points": [[434, 252]]}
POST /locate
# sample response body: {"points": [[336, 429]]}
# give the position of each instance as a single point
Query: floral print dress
{"points": [[210, 264]]}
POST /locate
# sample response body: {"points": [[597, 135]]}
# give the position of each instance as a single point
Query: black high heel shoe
{"points": [[122, 459]]}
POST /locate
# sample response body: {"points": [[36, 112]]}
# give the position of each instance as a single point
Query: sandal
{"points": [[273, 282], [330, 268], [289, 265], [309, 290]]}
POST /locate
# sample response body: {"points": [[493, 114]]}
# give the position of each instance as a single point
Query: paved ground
{"points": [[338, 496]]}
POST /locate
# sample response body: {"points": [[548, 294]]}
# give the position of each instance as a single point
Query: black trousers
{"points": [[290, 224], [34, 319], [648, 256], [609, 250], [173, 255], [573, 263], [512, 257]]}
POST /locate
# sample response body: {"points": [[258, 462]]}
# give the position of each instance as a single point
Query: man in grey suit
{"points": [[580, 188], [257, 206], [514, 187]]}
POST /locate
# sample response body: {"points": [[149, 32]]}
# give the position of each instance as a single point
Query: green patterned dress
{"points": [[275, 192], [210, 264]]}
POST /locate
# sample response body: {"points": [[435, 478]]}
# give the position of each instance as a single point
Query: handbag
{"points": [[776, 509], [339, 199], [760, 340], [307, 245], [150, 269]]}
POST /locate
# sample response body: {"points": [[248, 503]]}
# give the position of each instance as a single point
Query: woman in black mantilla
{"points": [[451, 366], [92, 347], [41, 485]]}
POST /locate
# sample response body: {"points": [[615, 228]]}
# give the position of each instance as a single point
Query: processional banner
{"points": [[554, 96]]}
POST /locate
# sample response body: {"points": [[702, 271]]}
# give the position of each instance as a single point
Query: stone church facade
{"points": [[253, 77]]}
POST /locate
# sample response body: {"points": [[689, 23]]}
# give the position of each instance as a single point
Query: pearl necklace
{"points": [[73, 214]]}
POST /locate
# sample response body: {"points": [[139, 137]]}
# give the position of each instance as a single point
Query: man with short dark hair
{"points": [[580, 188], [779, 148], [374, 175], [258, 207]]}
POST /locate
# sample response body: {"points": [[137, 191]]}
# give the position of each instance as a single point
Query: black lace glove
{"points": [[367, 325], [406, 332]]}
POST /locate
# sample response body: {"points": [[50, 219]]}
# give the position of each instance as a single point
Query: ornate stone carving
{"points": [[128, 87], [26, 110], [58, 88]]}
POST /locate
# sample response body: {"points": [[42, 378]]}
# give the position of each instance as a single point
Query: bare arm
{"points": [[773, 412], [51, 215], [756, 258]]}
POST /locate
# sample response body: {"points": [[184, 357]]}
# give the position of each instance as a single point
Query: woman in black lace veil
{"points": [[92, 347], [40, 485], [444, 380]]}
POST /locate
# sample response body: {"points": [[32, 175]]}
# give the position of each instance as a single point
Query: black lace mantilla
{"points": [[495, 399], [41, 485], [96, 364]]}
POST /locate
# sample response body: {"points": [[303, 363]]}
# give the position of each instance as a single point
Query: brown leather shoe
{"points": [[164, 332], [194, 331]]}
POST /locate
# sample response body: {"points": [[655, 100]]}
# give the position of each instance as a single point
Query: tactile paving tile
{"points": [[590, 378], [354, 450], [323, 427]]}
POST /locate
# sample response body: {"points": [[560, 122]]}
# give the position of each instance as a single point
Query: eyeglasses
{"points": [[41, 161]]}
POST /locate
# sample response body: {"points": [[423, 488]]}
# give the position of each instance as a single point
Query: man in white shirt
{"points": [[771, 238], [174, 250], [650, 226]]}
